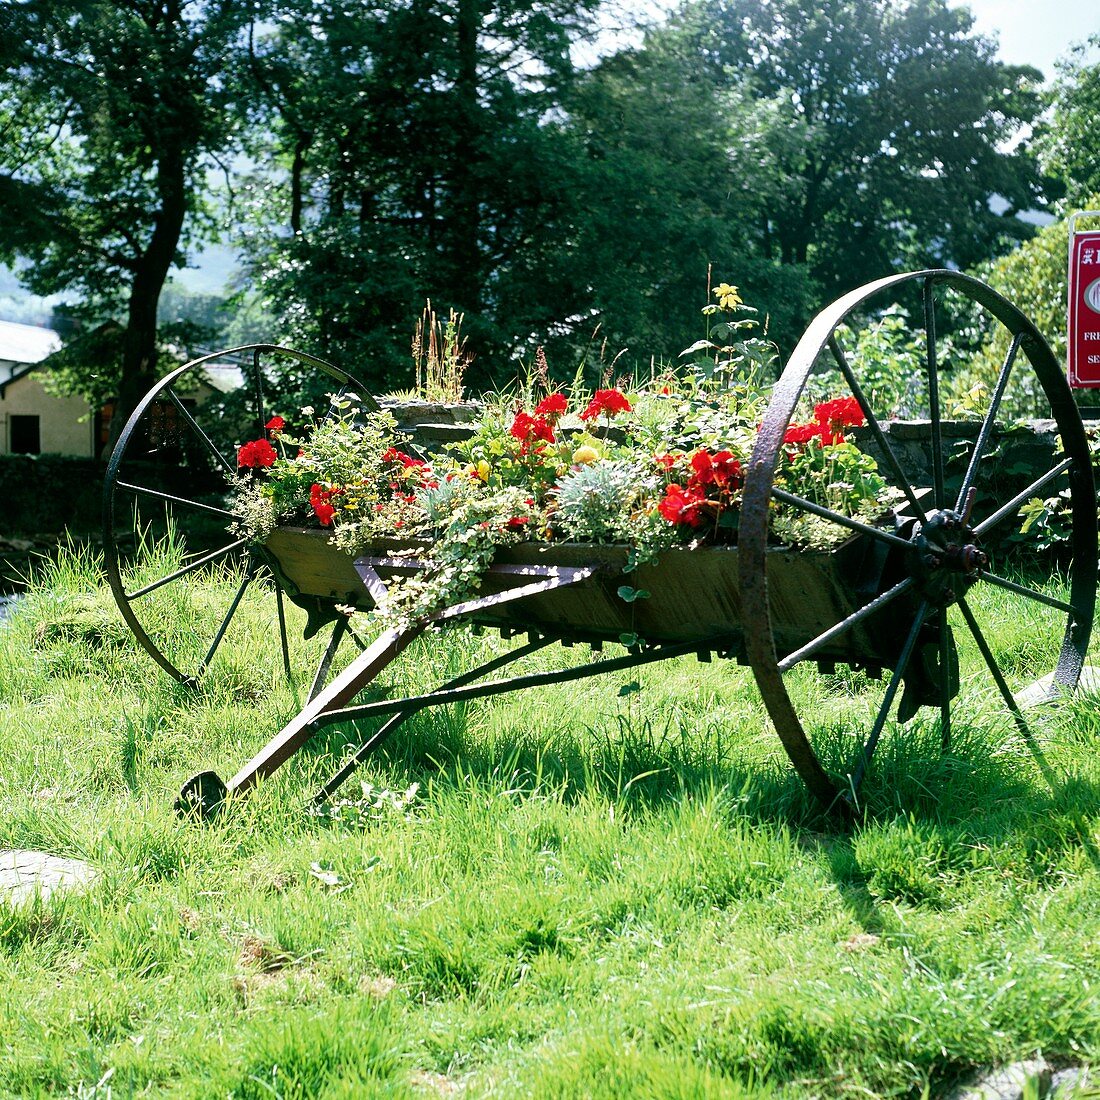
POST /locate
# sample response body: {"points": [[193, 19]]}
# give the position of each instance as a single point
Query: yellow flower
{"points": [[483, 470], [727, 296], [586, 454]]}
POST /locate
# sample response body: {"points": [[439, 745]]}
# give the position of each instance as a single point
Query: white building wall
{"points": [[66, 425]]}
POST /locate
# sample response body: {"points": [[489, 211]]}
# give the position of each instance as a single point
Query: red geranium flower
{"points": [[255, 454], [608, 402], [551, 407], [721, 470], [682, 505], [528, 428], [320, 500], [392, 454], [275, 424], [801, 433], [841, 412]]}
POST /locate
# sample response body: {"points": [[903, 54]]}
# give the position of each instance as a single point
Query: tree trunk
{"points": [[139, 349], [463, 260]]}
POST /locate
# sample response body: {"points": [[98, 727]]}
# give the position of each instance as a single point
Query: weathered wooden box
{"points": [[693, 594]]}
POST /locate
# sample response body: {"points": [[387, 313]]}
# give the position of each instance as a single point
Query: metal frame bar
{"points": [[382, 652]]}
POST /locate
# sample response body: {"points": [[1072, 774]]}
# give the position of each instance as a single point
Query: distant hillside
{"points": [[208, 274]]}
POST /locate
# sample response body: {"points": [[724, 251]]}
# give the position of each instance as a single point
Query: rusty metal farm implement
{"points": [[897, 601]]}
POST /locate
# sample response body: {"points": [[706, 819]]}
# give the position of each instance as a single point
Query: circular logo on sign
{"points": [[1092, 295]]}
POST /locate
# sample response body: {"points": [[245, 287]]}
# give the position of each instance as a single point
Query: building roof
{"points": [[25, 344]]}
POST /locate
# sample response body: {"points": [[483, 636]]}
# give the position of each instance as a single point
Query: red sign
{"points": [[1084, 310]]}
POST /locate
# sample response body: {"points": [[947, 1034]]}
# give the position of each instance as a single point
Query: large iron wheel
{"points": [[941, 558], [167, 481]]}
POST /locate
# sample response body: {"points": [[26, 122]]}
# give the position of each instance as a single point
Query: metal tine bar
{"points": [[206, 559], [888, 698], [210, 445], [282, 628], [455, 610], [141, 490], [994, 669], [1030, 593], [933, 392], [987, 424], [339, 629], [945, 682], [837, 629], [876, 428], [1011, 508], [837, 517], [383, 731], [248, 577], [443, 697]]}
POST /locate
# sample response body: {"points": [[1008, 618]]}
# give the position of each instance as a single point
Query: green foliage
{"points": [[114, 109], [888, 359], [1032, 278], [594, 502], [870, 163], [1066, 142]]}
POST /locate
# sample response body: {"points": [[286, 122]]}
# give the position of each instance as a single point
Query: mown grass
{"points": [[591, 895]]}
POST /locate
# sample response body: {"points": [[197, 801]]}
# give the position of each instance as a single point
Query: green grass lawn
{"points": [[589, 894]]}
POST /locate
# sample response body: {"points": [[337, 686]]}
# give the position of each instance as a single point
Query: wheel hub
{"points": [[945, 558]]}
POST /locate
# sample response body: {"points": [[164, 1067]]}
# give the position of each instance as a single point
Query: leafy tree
{"points": [[1068, 145], [670, 187], [1033, 278], [110, 112], [418, 162], [891, 127]]}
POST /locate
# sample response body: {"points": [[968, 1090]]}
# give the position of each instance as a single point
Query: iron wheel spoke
{"points": [[876, 428], [206, 559], [258, 396], [845, 625], [207, 442], [933, 391], [1029, 593], [169, 498], [839, 518], [248, 577], [1013, 506], [888, 698], [945, 681], [994, 668], [986, 432]]}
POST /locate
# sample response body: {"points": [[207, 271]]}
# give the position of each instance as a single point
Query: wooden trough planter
{"points": [[892, 596]]}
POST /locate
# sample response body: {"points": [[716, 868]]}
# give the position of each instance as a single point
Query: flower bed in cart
{"points": [[636, 481]]}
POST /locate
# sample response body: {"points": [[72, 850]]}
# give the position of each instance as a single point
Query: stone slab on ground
{"points": [[1008, 1082], [1036, 693], [24, 874]]}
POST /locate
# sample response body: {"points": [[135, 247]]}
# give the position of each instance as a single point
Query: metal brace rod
{"points": [[370, 663], [443, 696], [379, 735]]}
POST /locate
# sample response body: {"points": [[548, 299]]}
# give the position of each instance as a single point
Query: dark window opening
{"points": [[24, 438]]}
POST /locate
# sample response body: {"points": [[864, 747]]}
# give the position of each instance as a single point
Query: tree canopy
{"points": [[110, 110], [456, 150]]}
